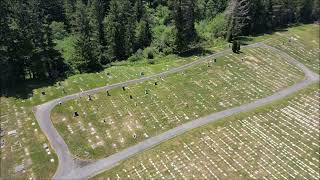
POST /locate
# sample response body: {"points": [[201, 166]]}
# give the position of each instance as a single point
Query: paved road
{"points": [[68, 168]]}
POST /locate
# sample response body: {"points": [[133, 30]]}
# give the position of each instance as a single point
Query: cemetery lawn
{"points": [[303, 45], [26, 147], [23, 143], [16, 113], [276, 141], [108, 124]]}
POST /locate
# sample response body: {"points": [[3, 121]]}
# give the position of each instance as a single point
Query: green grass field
{"points": [[24, 143], [108, 124], [16, 114], [302, 43], [279, 140], [26, 147]]}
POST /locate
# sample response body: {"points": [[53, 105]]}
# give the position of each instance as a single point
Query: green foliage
{"points": [[120, 26], [250, 17], [58, 30], [136, 56], [208, 9], [212, 28], [86, 58], [149, 52], [162, 15], [143, 34], [164, 39], [151, 61], [95, 32], [184, 18], [235, 46], [213, 7], [66, 47]]}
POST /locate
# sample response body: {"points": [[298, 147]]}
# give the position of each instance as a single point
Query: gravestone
{"points": [[45, 146], [19, 168], [1, 132], [75, 114], [2, 143], [13, 133]]}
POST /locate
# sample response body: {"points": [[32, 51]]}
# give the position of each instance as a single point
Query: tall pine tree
{"points": [[86, 59], [184, 18]]}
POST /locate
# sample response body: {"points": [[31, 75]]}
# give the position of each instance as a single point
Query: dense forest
{"points": [[99, 32]]}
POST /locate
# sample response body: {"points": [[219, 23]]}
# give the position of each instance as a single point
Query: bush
{"points": [[164, 38], [136, 56], [150, 52], [150, 55], [211, 29], [234, 46], [150, 61]]}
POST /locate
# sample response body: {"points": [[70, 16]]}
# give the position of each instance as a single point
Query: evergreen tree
{"points": [[306, 10], [139, 9], [184, 22], [214, 7], [269, 15], [316, 10], [70, 9], [120, 29], [86, 59], [143, 34], [7, 76], [238, 17], [200, 9], [53, 10]]}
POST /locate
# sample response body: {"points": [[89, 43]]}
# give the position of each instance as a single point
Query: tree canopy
{"points": [[110, 30]]}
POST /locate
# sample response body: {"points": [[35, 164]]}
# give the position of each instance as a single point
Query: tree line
{"points": [[110, 30]]}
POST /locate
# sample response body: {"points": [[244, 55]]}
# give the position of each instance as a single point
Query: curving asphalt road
{"points": [[70, 168]]}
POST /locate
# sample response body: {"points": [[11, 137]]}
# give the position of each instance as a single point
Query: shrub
{"points": [[164, 38], [150, 61], [211, 29], [150, 52], [136, 56], [235, 46]]}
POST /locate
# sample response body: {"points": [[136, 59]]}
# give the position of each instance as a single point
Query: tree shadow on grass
{"points": [[24, 89], [246, 40], [197, 51]]}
